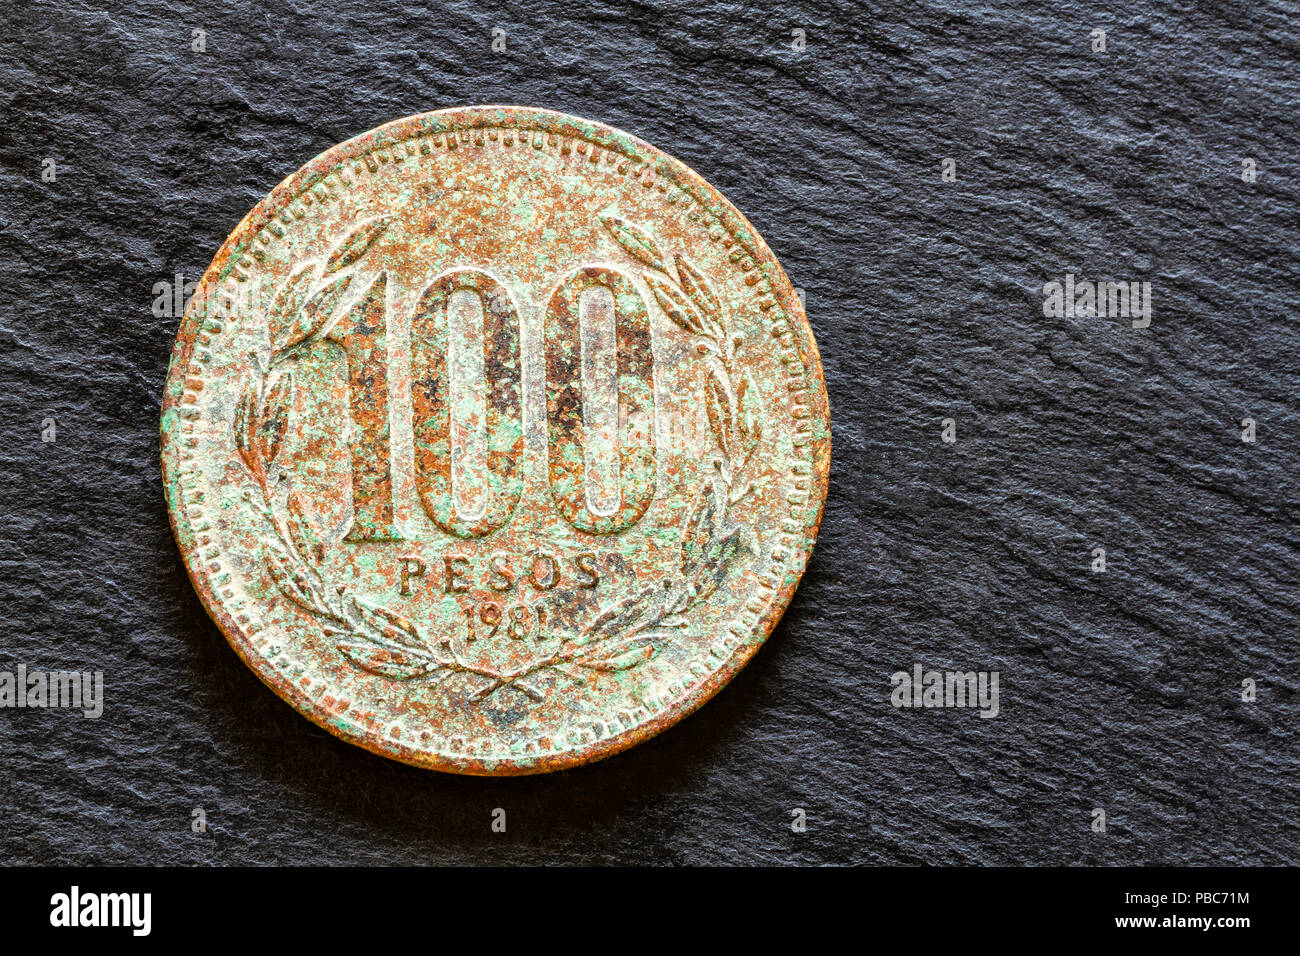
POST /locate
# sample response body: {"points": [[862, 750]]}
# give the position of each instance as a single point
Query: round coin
{"points": [[495, 440]]}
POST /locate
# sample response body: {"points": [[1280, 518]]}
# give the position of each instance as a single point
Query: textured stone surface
{"points": [[1118, 690]]}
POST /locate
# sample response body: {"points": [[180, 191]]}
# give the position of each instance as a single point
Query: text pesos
{"points": [[502, 573]]}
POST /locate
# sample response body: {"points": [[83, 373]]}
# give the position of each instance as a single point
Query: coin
{"points": [[495, 440]]}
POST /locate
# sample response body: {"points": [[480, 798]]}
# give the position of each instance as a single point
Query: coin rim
{"points": [[457, 119]]}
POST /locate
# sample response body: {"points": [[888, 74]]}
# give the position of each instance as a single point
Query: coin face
{"points": [[495, 440]]}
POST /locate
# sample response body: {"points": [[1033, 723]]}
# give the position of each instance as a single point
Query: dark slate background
{"points": [[1119, 691]]}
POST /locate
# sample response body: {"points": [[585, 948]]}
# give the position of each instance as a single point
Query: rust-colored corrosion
{"points": [[495, 440]]}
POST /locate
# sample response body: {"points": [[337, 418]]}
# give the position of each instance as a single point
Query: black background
{"points": [[1118, 690]]}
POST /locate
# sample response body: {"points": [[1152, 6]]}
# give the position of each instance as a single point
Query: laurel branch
{"points": [[624, 634]]}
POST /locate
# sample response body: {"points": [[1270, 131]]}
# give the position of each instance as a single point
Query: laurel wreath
{"points": [[624, 634]]}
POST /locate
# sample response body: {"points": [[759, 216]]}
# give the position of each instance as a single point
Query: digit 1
{"points": [[495, 468], [361, 334], [571, 409]]}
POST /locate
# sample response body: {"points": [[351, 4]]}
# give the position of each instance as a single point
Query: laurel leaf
{"points": [[718, 405], [625, 661], [357, 243], [314, 314], [292, 582], [749, 411], [618, 616], [303, 531], [387, 662], [700, 291], [245, 415], [621, 655], [675, 305], [275, 422], [716, 564], [286, 307], [392, 627], [663, 633], [699, 530], [637, 242], [325, 300]]}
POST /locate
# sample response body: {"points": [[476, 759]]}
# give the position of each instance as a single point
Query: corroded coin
{"points": [[495, 440]]}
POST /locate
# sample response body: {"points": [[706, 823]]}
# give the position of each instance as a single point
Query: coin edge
{"points": [[457, 119]]}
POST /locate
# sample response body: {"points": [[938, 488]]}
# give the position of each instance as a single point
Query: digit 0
{"points": [[577, 318], [469, 436]]}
